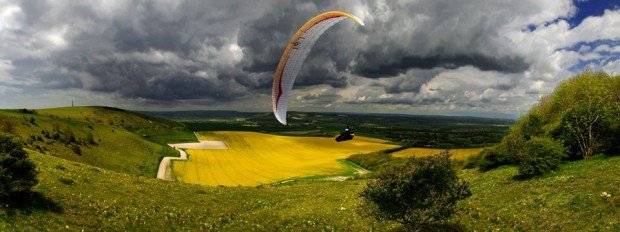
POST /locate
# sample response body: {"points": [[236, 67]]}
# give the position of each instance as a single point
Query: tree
{"points": [[421, 193], [588, 121], [17, 172]]}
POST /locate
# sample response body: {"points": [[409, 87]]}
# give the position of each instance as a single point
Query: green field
{"points": [[82, 197]]}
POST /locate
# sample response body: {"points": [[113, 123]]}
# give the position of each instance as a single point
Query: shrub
{"points": [[6, 125], [90, 139], [17, 172], [76, 149], [540, 156], [473, 161], [421, 193], [494, 157]]}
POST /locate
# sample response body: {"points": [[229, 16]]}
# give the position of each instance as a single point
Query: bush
{"points": [[6, 125], [540, 156], [17, 172], [76, 149], [423, 192], [494, 157], [473, 161]]}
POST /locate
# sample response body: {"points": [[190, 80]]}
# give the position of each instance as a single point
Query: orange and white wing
{"points": [[294, 55]]}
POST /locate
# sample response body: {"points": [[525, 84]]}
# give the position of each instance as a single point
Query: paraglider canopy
{"points": [[294, 55]]}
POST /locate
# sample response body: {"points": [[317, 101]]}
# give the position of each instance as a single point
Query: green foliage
{"points": [[494, 157], [370, 161], [583, 114], [540, 156], [17, 172], [6, 125], [473, 161], [168, 151], [591, 113], [421, 193]]}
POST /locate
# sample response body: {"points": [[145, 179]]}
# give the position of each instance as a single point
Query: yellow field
{"points": [[255, 158], [419, 152]]}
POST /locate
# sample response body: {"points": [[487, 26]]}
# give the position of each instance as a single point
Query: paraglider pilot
{"points": [[347, 134]]}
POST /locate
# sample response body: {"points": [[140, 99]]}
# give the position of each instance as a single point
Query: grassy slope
{"points": [[567, 200], [103, 200], [154, 129], [116, 146], [420, 152]]}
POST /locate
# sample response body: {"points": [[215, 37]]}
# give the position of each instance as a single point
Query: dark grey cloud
{"points": [[143, 49], [164, 52], [119, 49], [367, 64]]}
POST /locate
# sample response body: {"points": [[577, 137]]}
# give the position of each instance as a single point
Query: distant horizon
{"points": [[465, 58], [508, 117]]}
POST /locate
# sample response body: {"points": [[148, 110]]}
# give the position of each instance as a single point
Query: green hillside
{"points": [[79, 196], [109, 138]]}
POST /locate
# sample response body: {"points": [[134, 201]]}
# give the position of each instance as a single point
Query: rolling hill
{"points": [[109, 138]]}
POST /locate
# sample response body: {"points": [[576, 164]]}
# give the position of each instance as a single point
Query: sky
{"points": [[483, 58]]}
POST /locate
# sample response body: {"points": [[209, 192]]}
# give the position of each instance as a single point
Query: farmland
{"points": [[412, 130], [91, 192], [256, 158]]}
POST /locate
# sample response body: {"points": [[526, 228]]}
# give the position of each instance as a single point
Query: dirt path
{"points": [[165, 167]]}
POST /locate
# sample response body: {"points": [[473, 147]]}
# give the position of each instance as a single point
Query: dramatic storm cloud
{"points": [[472, 57]]}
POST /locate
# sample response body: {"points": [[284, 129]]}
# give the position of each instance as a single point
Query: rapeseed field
{"points": [[255, 158]]}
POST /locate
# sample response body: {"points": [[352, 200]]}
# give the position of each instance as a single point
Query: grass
{"points": [[154, 129], [568, 199], [77, 196], [101, 200], [256, 158], [460, 154], [114, 146]]}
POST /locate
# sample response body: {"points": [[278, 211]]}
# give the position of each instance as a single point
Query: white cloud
{"points": [[412, 56]]}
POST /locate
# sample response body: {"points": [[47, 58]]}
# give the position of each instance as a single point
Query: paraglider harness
{"points": [[347, 134]]}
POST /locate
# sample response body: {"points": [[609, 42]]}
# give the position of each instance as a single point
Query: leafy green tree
{"points": [[592, 114], [17, 172], [421, 193], [583, 114]]}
